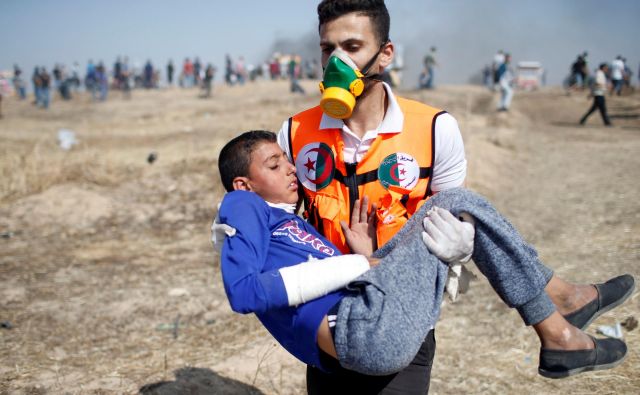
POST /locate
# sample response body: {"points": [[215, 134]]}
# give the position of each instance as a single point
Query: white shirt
{"points": [[617, 67], [449, 166], [601, 83]]}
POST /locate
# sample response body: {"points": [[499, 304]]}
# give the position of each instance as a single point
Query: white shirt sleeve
{"points": [[283, 139], [450, 164]]}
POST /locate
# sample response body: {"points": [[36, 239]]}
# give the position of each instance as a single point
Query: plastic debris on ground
{"points": [[6, 235], [614, 331], [66, 139]]}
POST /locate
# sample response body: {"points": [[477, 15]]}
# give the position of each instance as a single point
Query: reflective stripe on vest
{"points": [[395, 173]]}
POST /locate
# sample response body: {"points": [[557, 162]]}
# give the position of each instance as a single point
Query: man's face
{"points": [[354, 34], [271, 175]]}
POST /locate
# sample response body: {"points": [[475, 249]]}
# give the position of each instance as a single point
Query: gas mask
{"points": [[342, 82]]}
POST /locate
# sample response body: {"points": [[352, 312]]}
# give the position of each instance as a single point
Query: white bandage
{"points": [[317, 277]]}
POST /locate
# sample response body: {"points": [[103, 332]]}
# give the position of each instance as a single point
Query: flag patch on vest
{"points": [[399, 170], [315, 164]]}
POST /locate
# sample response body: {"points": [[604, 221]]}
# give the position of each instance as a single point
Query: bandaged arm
{"points": [[252, 284], [318, 277]]}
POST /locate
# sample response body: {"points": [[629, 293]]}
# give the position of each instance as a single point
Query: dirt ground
{"points": [[109, 285]]}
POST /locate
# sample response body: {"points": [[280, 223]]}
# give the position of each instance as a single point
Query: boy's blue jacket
{"points": [[266, 240]]}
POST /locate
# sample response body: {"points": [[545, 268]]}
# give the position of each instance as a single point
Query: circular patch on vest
{"points": [[399, 169], [315, 164]]}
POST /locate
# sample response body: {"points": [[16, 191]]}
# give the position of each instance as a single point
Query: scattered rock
{"points": [[630, 323], [177, 292]]}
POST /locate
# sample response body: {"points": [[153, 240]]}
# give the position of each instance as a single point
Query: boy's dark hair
{"points": [[377, 12], [235, 157]]}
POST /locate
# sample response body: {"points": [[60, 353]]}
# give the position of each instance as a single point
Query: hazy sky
{"points": [[466, 32]]}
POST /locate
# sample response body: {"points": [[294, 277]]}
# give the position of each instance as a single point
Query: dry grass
{"points": [[111, 286]]}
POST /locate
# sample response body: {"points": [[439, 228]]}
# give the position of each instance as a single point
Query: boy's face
{"points": [[354, 34], [271, 175]]}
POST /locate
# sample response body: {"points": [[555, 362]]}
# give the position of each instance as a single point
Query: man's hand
{"points": [[447, 237], [361, 233], [219, 232]]}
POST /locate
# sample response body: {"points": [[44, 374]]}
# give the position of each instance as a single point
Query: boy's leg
{"points": [[381, 325], [510, 264]]}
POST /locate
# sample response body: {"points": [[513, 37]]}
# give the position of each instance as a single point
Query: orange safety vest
{"points": [[395, 173]]}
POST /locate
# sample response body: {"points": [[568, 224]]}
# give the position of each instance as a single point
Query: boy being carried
{"points": [[371, 312]]}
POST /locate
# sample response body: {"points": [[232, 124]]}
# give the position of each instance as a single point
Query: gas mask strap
{"points": [[367, 66]]}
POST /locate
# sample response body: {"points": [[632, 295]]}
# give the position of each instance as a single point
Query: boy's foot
{"points": [[606, 354], [610, 294]]}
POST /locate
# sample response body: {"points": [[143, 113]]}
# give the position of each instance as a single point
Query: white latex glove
{"points": [[219, 232], [448, 238]]}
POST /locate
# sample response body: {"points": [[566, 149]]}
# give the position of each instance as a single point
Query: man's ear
{"points": [[241, 184], [386, 55]]}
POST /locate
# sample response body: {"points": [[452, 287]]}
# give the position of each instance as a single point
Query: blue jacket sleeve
{"points": [[249, 286]]}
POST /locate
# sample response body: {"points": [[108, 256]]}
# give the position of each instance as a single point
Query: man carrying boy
{"points": [[395, 151], [377, 324]]}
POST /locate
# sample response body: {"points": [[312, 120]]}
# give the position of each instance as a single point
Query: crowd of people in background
{"points": [[98, 80], [618, 75]]}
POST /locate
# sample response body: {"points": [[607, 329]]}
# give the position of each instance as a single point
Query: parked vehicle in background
{"points": [[529, 75]]}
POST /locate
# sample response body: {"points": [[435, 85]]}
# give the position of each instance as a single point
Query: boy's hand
{"points": [[361, 233]]}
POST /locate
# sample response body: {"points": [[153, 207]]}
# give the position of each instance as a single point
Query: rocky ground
{"points": [[108, 283]]}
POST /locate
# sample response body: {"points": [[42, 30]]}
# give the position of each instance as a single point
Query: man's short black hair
{"points": [[235, 156], [377, 12]]}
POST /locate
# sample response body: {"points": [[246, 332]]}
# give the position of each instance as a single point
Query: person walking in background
{"points": [[91, 81], [74, 81], [617, 70], [597, 91], [627, 74], [487, 78], [5, 90], [102, 82], [505, 79], [498, 60], [578, 73], [207, 81], [45, 84], [148, 75], [429, 65], [37, 84], [125, 76], [170, 71], [294, 74], [274, 68], [241, 70], [197, 69], [187, 73], [18, 82], [228, 70], [117, 74]]}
